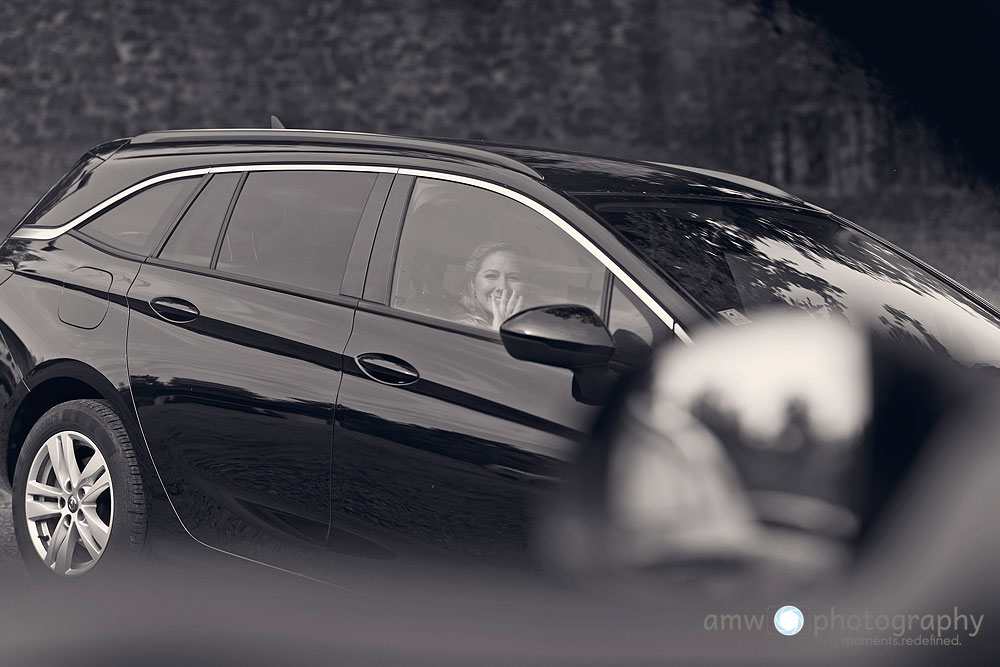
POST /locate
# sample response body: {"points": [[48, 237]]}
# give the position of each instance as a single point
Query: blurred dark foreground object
{"points": [[767, 470]]}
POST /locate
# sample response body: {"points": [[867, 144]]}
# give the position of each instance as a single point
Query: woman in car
{"points": [[493, 288]]}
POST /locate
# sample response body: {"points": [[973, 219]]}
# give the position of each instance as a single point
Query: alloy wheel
{"points": [[69, 503]]}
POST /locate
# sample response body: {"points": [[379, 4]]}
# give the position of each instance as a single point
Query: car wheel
{"points": [[78, 499]]}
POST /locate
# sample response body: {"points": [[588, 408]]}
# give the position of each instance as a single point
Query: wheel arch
{"points": [[48, 385]]}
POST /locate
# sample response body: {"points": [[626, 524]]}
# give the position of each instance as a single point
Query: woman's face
{"points": [[498, 272]]}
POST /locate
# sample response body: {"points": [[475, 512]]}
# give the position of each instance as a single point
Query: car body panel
{"points": [[10, 383], [85, 298], [211, 427], [237, 405], [237, 401], [43, 346], [264, 432], [450, 463], [477, 436]]}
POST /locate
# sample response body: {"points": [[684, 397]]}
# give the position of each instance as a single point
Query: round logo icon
{"points": [[789, 620]]}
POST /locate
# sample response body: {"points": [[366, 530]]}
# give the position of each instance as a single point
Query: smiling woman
{"points": [[493, 290], [464, 256]]}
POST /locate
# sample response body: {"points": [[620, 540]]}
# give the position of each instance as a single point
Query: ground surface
{"points": [[10, 562]]}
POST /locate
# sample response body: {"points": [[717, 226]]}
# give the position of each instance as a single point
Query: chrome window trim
{"points": [[571, 231], [49, 233], [303, 167]]}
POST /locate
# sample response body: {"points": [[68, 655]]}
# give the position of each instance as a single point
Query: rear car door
{"points": [[234, 351], [445, 444]]}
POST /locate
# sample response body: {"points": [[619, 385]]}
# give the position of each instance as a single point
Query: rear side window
{"points": [[295, 227], [75, 179], [193, 240], [135, 224]]}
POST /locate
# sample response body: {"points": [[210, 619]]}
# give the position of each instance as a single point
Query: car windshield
{"points": [[740, 260]]}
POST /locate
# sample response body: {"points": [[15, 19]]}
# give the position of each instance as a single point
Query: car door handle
{"points": [[387, 369], [173, 309]]}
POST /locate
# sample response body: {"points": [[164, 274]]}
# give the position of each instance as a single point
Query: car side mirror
{"points": [[567, 336]]}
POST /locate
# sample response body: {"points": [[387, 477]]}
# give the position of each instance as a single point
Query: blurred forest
{"points": [[753, 88]]}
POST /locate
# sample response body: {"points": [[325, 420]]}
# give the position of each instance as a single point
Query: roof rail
{"points": [[333, 138]]}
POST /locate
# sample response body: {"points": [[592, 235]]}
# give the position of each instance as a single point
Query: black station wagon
{"points": [[361, 347]]}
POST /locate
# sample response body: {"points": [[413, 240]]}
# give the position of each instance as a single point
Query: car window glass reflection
{"points": [[193, 241], [295, 227], [629, 314], [740, 261], [475, 257], [137, 223]]}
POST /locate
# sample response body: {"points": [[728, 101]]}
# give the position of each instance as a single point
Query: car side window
{"points": [[193, 240], [295, 227], [135, 224], [629, 314], [472, 256]]}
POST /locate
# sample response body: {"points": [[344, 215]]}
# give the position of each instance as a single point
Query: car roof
{"points": [[583, 173], [563, 171]]}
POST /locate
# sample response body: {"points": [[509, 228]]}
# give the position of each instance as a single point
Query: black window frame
{"points": [[361, 246], [666, 333], [175, 209], [385, 253], [169, 232]]}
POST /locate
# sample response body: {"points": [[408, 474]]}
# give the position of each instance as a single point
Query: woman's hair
{"points": [[467, 295]]}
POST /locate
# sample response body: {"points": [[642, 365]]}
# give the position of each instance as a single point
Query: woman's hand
{"points": [[505, 303]]}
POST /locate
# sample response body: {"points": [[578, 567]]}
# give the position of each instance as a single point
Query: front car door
{"points": [[443, 440]]}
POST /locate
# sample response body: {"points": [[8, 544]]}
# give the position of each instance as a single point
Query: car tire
{"points": [[79, 507]]}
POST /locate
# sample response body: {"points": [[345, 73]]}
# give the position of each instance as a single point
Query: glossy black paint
{"points": [[173, 309], [572, 173], [379, 274], [238, 414], [236, 384], [354, 276], [10, 375], [566, 336], [85, 298], [54, 358], [448, 465], [387, 369], [278, 419], [341, 140]]}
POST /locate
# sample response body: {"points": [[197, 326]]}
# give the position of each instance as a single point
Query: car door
{"points": [[445, 444], [235, 349]]}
